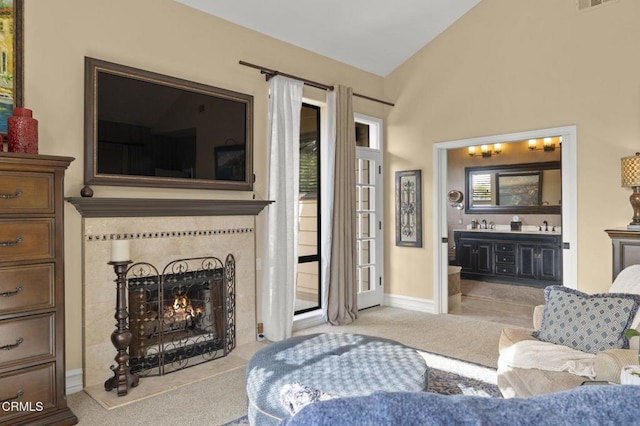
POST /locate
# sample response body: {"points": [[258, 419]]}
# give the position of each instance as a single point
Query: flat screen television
{"points": [[149, 129]]}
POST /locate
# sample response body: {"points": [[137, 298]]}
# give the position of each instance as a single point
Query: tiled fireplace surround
{"points": [[159, 240]]}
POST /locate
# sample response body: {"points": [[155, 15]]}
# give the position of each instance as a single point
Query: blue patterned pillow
{"points": [[586, 322]]}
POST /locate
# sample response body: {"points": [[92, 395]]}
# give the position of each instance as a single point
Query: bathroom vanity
{"points": [[531, 258]]}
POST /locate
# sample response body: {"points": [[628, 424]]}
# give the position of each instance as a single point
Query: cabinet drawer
{"points": [[26, 288], [32, 389], [505, 269], [26, 192], [505, 248], [30, 239], [26, 339], [509, 259]]}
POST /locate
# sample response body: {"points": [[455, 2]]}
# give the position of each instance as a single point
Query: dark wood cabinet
{"points": [[626, 248], [32, 369], [518, 258], [539, 262], [475, 256], [505, 259]]}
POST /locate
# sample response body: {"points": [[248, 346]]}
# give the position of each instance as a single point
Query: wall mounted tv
{"points": [[148, 129]]}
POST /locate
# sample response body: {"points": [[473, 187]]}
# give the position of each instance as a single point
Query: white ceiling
{"points": [[373, 35]]}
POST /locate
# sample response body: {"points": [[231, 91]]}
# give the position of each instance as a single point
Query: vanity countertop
{"points": [[501, 230]]}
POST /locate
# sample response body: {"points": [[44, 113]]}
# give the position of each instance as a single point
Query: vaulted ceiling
{"points": [[372, 35]]}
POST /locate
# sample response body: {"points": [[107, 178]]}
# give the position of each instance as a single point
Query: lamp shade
{"points": [[630, 167]]}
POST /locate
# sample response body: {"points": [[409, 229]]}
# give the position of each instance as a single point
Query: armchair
{"points": [[515, 381]]}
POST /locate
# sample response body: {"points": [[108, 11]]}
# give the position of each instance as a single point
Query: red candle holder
{"points": [[23, 131]]}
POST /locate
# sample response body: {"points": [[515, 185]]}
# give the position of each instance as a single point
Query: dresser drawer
{"points": [[505, 248], [26, 339], [33, 389], [26, 288], [23, 192], [506, 258], [505, 270], [25, 240]]}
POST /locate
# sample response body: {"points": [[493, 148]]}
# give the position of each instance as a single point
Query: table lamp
{"points": [[630, 167]]}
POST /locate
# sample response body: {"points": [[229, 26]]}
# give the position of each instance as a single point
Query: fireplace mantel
{"points": [[157, 207]]}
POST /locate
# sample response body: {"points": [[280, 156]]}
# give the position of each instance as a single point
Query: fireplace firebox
{"points": [[181, 317]]}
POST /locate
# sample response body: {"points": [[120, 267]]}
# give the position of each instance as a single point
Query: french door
{"points": [[369, 211]]}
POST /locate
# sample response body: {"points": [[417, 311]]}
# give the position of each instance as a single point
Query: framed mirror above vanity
{"points": [[533, 188]]}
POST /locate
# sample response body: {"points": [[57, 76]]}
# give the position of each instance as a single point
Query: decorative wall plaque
{"points": [[409, 208]]}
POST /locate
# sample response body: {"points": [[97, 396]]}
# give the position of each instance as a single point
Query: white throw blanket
{"points": [[548, 356]]}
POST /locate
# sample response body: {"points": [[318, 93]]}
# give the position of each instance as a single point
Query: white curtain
{"points": [[280, 267]]}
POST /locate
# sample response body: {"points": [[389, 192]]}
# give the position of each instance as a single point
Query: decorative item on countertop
{"points": [[23, 131], [516, 224]]}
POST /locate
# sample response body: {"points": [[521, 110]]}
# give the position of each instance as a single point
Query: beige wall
{"points": [[165, 37], [510, 66]]}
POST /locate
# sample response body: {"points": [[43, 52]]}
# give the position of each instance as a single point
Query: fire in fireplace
{"points": [[181, 317]]}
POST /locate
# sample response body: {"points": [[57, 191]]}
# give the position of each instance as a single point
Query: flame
{"points": [[182, 309]]}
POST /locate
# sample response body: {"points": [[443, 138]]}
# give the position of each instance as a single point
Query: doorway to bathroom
{"points": [[484, 150]]}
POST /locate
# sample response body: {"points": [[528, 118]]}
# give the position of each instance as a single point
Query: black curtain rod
{"points": [[272, 73]]}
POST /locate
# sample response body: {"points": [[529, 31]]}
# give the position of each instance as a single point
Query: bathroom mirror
{"points": [[516, 188]]}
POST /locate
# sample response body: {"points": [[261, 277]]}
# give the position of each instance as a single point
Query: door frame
{"points": [[569, 204], [376, 297]]}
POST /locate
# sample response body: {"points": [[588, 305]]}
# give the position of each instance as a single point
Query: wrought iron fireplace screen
{"points": [[181, 317]]}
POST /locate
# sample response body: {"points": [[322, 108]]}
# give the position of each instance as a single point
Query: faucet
{"points": [[546, 225], [484, 224]]}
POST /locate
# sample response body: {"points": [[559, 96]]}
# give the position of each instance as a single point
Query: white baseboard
{"points": [[74, 381], [410, 303]]}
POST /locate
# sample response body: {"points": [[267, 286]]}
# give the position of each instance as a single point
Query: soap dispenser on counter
{"points": [[516, 224]]}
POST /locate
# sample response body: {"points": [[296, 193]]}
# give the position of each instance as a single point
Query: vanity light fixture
{"points": [[630, 167], [485, 150], [548, 144]]}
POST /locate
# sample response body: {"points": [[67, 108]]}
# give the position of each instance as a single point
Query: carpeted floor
{"points": [[221, 399]]}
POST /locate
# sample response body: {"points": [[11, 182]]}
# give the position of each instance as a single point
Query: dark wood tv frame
{"points": [[92, 177]]}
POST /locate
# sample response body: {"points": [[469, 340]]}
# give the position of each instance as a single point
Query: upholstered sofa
{"points": [[516, 380], [586, 405]]}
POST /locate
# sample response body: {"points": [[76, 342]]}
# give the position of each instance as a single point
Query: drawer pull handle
{"points": [[18, 396], [12, 293], [9, 347], [17, 194], [11, 243]]}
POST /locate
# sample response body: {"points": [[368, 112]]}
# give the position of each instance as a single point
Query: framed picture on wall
{"points": [[519, 189], [11, 57], [409, 208], [230, 162]]}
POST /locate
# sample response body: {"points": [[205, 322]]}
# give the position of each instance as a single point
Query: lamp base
{"points": [[633, 227]]}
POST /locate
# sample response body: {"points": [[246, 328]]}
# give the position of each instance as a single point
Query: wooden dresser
{"points": [[32, 365], [626, 248]]}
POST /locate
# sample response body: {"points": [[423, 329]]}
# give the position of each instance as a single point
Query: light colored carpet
{"points": [[211, 401], [454, 336], [220, 399]]}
